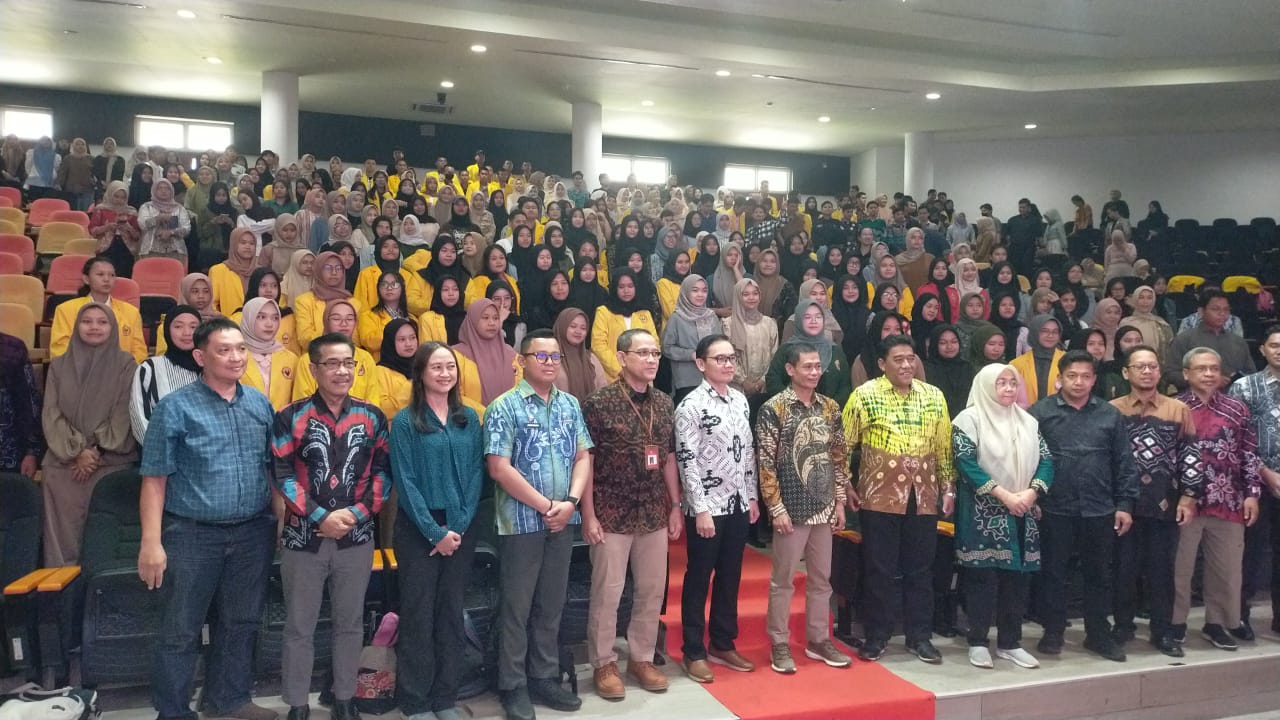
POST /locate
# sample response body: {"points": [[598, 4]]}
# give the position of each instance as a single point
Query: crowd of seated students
{"points": [[476, 259]]}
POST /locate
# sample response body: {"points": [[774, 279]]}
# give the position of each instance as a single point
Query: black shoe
{"points": [[871, 650], [1178, 633], [1106, 647], [1244, 632], [326, 697], [344, 710], [1050, 644], [552, 694], [926, 652], [300, 712], [1121, 635], [516, 704], [1215, 634], [1167, 646]]}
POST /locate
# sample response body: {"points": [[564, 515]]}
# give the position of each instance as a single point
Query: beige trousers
{"points": [[1223, 543], [647, 556], [812, 543]]}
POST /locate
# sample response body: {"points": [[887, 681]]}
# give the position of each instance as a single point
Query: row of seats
{"points": [[40, 212]]}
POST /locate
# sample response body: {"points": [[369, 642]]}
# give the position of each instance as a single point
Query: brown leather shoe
{"points": [[649, 677], [697, 670], [730, 659], [609, 683]]}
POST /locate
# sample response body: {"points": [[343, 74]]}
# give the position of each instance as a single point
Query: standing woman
{"points": [[437, 456], [330, 285], [230, 278], [755, 340], [623, 311], [86, 424], [814, 290], [486, 364], [161, 374], [947, 369], [691, 321], [886, 271], [494, 268], [1155, 330], [443, 320], [1005, 467], [674, 271], [299, 279], [397, 347], [114, 224], [75, 175], [270, 365], [140, 182], [109, 166], [580, 373], [165, 225], [214, 224], [725, 280]]}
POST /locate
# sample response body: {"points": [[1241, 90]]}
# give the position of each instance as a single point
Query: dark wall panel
{"points": [[96, 115]]}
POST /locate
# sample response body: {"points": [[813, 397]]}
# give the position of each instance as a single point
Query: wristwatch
{"points": [[573, 500]]}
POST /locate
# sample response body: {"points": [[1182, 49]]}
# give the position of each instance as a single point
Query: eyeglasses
{"points": [[331, 267], [645, 354], [1144, 367], [723, 360], [546, 358], [389, 284], [333, 365]]}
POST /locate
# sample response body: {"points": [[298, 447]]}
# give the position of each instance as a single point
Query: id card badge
{"points": [[650, 457]]}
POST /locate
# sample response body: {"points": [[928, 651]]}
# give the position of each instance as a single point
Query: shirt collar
{"points": [[213, 394], [705, 387], [322, 406], [1062, 402], [1133, 401], [526, 391]]}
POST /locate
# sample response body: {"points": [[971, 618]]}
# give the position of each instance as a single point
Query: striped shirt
{"points": [[155, 378]]}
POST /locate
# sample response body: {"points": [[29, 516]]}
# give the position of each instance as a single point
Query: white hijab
{"points": [[1008, 438]]}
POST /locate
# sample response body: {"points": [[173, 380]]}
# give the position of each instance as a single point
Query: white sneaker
{"points": [[980, 657], [1019, 657]]}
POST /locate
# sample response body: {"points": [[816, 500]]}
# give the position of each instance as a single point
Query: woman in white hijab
{"points": [[1005, 467]]}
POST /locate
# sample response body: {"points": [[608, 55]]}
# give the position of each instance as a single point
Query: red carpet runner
{"points": [[816, 692]]}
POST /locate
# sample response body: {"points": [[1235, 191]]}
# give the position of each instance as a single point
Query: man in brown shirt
{"points": [[629, 512]]}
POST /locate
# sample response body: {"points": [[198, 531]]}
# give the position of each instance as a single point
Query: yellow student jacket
{"points": [[128, 319], [283, 368], [365, 386]]}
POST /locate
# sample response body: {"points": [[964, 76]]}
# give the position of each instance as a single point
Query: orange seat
{"points": [[10, 264], [54, 236], [23, 290], [126, 290], [8, 227], [5, 202], [42, 210], [13, 215], [66, 274], [22, 246], [17, 320], [81, 246], [75, 216], [12, 194], [159, 276]]}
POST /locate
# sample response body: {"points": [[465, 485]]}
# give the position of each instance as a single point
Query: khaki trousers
{"points": [[812, 543], [1223, 543], [647, 556]]}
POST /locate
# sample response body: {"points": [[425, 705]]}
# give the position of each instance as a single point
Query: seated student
{"points": [[809, 330], [196, 291], [513, 326], [395, 365], [445, 317], [494, 267], [486, 365], [340, 317], [390, 306], [99, 277], [265, 283], [621, 312], [1039, 365], [270, 364], [674, 270], [311, 307], [230, 278], [386, 258], [86, 424], [169, 369], [443, 261]]}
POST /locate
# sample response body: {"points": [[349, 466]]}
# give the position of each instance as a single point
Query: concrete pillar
{"points": [[588, 140], [280, 114], [917, 164]]}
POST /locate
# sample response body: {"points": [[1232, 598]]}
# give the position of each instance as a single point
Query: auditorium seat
{"points": [[13, 194], [66, 276], [8, 227], [22, 246], [127, 290], [81, 246], [72, 216], [5, 202], [42, 210], [13, 215], [23, 290], [19, 560], [53, 237], [10, 264], [16, 319], [159, 281]]}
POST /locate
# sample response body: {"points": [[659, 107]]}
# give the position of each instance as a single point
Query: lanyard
{"points": [[648, 436]]}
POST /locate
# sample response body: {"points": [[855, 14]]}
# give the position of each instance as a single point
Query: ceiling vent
{"points": [[432, 108]]}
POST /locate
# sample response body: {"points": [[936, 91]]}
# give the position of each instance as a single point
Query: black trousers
{"points": [[999, 595], [1147, 551], [720, 554], [1093, 539], [896, 546], [432, 589], [1264, 535]]}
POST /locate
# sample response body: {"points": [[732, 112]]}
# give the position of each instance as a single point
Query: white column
{"points": [[917, 164], [588, 140], [280, 114]]}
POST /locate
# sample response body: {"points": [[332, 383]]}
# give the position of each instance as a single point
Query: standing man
{"points": [[1095, 486], [803, 480], [1021, 235], [207, 530], [1261, 392], [332, 475], [538, 452], [1234, 358], [630, 511], [578, 193], [1229, 503], [717, 470], [903, 430], [1162, 438]]}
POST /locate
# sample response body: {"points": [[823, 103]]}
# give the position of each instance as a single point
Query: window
{"points": [[749, 177], [183, 134], [652, 170], [27, 123]]}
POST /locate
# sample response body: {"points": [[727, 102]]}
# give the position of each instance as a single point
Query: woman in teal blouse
{"points": [[1005, 467], [437, 456]]}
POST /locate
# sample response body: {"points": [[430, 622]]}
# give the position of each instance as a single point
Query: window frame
{"points": [[5, 130], [187, 125], [755, 174], [631, 164]]}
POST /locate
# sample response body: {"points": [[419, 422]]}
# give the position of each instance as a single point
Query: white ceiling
{"points": [[1074, 67]]}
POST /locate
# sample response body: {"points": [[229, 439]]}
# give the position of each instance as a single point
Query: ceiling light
{"points": [[824, 119], [756, 75], [1030, 126], [773, 77], [137, 6], [186, 15], [873, 108], [933, 96], [647, 103], [723, 73], [478, 48], [70, 32], [446, 83], [213, 60]]}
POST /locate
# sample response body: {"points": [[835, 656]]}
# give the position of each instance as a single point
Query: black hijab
{"points": [[523, 259], [454, 314], [871, 348], [575, 236], [621, 307], [228, 208], [584, 295], [386, 265], [499, 210], [828, 272], [953, 376], [535, 284], [389, 358], [139, 189], [852, 316], [669, 271], [921, 329], [705, 264], [995, 287], [255, 279], [353, 272], [182, 358], [1011, 327], [944, 297]]}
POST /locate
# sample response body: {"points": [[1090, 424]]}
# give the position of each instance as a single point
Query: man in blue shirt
{"points": [[207, 530], [537, 451]]}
